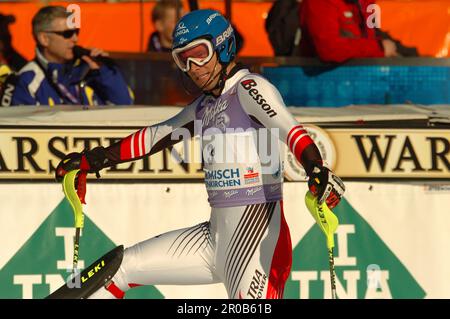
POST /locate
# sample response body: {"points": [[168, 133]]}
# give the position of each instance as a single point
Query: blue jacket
{"points": [[72, 84]]}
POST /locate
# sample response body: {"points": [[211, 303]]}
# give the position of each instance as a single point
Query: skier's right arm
{"points": [[144, 142]]}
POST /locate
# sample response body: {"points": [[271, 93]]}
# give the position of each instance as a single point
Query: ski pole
{"points": [[75, 202], [328, 223]]}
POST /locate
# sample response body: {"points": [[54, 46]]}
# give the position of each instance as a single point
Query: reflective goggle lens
{"points": [[199, 52]]}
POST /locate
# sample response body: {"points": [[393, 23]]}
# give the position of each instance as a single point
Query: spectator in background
{"points": [[164, 18], [337, 30], [283, 27], [57, 76], [8, 55], [5, 74]]}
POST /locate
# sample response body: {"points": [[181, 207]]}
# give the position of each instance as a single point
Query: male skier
{"points": [[247, 235]]}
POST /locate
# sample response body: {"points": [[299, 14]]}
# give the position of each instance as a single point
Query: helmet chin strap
{"points": [[220, 83], [211, 77]]}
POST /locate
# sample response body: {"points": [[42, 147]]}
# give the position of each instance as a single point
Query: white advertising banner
{"points": [[392, 241]]}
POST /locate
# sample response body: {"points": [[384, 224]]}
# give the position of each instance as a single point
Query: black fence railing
{"points": [[156, 80]]}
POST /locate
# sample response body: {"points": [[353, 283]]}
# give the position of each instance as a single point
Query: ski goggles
{"points": [[199, 52]]}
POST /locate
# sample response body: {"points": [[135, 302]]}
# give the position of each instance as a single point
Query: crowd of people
{"points": [[330, 30]]}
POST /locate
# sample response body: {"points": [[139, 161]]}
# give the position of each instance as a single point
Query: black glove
{"points": [[87, 161], [326, 186]]}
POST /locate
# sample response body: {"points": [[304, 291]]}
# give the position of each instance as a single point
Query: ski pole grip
{"points": [[72, 197]]}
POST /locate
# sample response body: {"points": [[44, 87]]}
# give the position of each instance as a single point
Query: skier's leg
{"points": [[257, 255], [180, 257], [183, 256]]}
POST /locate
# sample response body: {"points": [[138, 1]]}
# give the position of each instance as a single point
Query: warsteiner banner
{"points": [[33, 153], [380, 153]]}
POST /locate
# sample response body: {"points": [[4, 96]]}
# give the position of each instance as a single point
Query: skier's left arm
{"points": [[264, 104]]}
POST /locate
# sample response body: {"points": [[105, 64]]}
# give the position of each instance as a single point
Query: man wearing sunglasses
{"points": [[240, 116], [57, 76]]}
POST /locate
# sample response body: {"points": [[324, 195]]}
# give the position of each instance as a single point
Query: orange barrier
{"points": [[424, 24], [116, 26]]}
